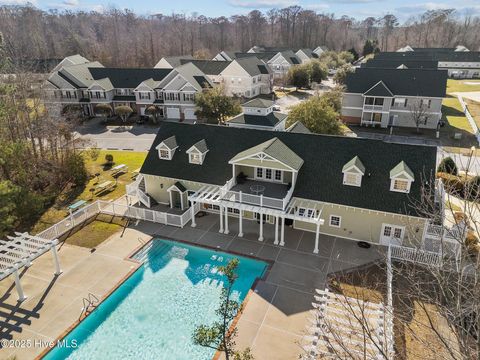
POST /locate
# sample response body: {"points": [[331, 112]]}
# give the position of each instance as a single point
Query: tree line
{"points": [[123, 38]]}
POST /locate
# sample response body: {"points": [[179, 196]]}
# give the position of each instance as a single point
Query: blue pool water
{"points": [[152, 315]]}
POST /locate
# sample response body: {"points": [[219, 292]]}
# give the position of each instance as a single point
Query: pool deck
{"points": [[275, 314]]}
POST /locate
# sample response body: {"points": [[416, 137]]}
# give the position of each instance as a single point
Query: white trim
{"points": [[339, 221], [251, 157], [264, 178], [392, 185], [358, 180], [391, 237]]}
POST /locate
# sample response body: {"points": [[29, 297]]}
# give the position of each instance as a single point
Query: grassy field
{"points": [[96, 232], [456, 118], [462, 85], [59, 210]]}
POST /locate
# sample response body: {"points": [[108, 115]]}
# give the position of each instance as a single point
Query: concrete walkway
{"points": [[273, 320]]}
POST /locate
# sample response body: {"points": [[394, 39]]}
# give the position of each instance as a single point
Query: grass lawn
{"points": [[465, 85], [96, 232], [59, 209], [474, 109], [456, 122]]}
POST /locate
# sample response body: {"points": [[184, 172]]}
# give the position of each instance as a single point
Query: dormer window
{"points": [[401, 178], [166, 148], [353, 172], [196, 154]]}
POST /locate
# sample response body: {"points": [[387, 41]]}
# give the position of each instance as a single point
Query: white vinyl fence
{"points": [[470, 118], [115, 209]]}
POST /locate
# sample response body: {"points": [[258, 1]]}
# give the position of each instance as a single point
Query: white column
{"points": [[181, 200], [276, 231], [192, 209], [260, 238], [221, 219], [18, 285], [171, 199], [58, 271], [282, 232], [240, 223], [316, 238], [226, 221]]}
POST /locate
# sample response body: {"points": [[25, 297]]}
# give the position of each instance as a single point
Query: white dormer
{"points": [[196, 154], [353, 172], [401, 178], [166, 148]]}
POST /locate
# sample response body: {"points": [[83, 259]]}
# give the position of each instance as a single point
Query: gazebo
{"points": [[19, 251]]}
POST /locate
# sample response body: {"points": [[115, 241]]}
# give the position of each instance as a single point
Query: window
{"points": [[335, 221], [306, 212], [260, 172], [144, 95], [195, 158], [189, 97], [401, 185], [278, 175], [378, 101], [268, 174], [369, 100], [301, 211], [233, 211], [400, 102], [397, 233], [164, 154], [352, 179], [387, 231]]}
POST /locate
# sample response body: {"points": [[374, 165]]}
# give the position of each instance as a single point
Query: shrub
{"points": [[76, 170], [447, 165], [472, 189], [472, 244], [453, 184], [109, 159], [298, 76]]}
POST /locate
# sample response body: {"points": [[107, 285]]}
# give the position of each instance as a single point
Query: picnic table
{"points": [[106, 185], [75, 206], [122, 168]]}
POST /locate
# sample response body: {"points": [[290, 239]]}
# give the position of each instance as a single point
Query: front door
{"points": [[392, 234]]}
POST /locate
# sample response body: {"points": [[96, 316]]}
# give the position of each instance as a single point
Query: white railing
{"points": [[372, 107], [115, 209], [470, 118], [415, 255], [133, 189], [260, 200], [287, 198], [439, 232]]}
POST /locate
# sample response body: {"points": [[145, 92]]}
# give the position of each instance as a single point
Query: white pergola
{"points": [[213, 195], [19, 252]]}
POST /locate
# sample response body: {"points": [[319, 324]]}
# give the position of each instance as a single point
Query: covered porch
{"points": [[265, 188]]}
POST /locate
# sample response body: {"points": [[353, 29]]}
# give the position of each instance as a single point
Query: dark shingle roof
{"points": [[379, 89], [209, 67], [320, 177], [258, 103], [298, 127], [253, 65], [460, 56], [269, 120], [408, 82], [128, 77], [395, 63]]}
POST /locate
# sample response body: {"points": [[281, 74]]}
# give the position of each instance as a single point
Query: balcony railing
{"points": [[372, 107]]}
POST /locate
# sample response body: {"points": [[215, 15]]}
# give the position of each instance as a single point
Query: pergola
{"points": [[19, 252], [216, 196]]}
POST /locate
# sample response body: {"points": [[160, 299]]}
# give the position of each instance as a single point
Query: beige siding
{"points": [[264, 163], [364, 225], [157, 186]]}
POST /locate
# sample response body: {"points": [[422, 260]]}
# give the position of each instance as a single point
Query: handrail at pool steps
{"points": [[115, 208]]}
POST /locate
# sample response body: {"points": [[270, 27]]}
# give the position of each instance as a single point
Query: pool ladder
{"points": [[89, 303]]}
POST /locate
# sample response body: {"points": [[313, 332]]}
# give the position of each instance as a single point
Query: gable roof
{"points": [[264, 56], [253, 65], [175, 61], [407, 82], [194, 76], [379, 89], [200, 146], [275, 149], [128, 77], [170, 142], [258, 103], [400, 168], [356, 162], [209, 67], [270, 120], [298, 128], [320, 177]]}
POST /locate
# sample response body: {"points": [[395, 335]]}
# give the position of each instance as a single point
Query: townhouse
{"points": [[459, 62], [358, 189], [394, 97], [244, 77], [259, 114], [306, 55], [171, 91]]}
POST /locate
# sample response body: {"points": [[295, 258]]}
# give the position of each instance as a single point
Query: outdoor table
{"points": [[119, 168], [257, 189], [103, 186], [75, 206]]}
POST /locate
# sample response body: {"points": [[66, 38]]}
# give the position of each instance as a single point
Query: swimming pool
{"points": [[152, 315]]}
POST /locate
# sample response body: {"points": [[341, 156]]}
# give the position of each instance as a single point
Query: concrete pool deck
{"points": [[273, 320]]}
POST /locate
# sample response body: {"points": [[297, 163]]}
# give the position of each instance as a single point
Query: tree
{"points": [[220, 336], [103, 109], [317, 71], [418, 114], [298, 76], [370, 47], [340, 76], [215, 106], [447, 165], [333, 98], [317, 115], [354, 53], [155, 111], [124, 111], [202, 54]]}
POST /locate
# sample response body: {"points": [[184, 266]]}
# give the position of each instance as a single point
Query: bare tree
{"points": [[418, 114]]}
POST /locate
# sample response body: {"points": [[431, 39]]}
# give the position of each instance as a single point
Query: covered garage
{"points": [[190, 114], [173, 113]]}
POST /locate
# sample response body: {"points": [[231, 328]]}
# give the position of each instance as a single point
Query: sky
{"points": [[359, 9]]}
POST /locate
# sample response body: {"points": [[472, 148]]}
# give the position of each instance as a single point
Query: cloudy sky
{"points": [[355, 8]]}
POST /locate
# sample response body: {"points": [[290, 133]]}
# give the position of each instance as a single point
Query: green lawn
{"points": [[455, 116], [96, 232], [59, 210], [462, 85]]}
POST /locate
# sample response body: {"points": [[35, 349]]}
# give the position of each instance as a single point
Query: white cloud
{"points": [[70, 3], [263, 3], [18, 2]]}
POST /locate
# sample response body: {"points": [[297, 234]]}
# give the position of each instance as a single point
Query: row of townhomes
{"points": [[393, 94], [278, 59], [459, 61], [358, 189]]}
